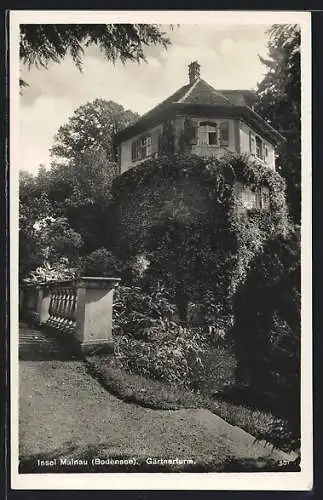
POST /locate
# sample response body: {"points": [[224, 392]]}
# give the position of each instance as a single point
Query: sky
{"points": [[228, 55]]}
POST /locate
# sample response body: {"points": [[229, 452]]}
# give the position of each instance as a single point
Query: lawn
{"points": [[155, 394]]}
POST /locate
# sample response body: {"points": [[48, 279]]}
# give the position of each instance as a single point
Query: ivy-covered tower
{"points": [[198, 194]]}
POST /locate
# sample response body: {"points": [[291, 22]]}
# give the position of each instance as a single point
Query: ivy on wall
{"points": [[183, 213], [166, 144], [188, 135]]}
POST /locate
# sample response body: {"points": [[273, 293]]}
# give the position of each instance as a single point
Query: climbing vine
{"points": [[188, 135], [184, 214], [167, 139]]}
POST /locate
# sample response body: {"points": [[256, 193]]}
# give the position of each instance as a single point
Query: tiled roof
{"points": [[240, 97], [202, 93], [179, 94], [199, 93]]}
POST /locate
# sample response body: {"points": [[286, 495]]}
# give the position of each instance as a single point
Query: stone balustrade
{"points": [[80, 307]]}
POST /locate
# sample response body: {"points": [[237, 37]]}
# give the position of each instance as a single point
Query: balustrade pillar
{"points": [[94, 302]]}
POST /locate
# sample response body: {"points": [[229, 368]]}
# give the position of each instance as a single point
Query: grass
{"points": [[155, 394]]}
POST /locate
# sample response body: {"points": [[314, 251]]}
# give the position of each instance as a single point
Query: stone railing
{"points": [[80, 307]]}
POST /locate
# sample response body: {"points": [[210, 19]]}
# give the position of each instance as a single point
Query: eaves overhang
{"points": [[244, 113]]}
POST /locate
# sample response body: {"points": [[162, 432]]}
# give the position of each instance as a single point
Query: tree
{"points": [[280, 102], [91, 127], [41, 44], [34, 204], [267, 331], [84, 164], [81, 191]]}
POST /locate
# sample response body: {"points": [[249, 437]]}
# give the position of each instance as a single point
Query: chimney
{"points": [[194, 72]]}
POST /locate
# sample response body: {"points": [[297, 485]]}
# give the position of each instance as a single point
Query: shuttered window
{"points": [[252, 144], [224, 134], [259, 148], [141, 148], [250, 199]]}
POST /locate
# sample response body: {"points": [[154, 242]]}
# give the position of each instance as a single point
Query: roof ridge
{"points": [[189, 91], [217, 91]]}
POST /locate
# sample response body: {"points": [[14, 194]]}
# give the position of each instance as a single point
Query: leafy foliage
{"points": [[194, 249], [149, 342], [167, 139], [34, 205], [82, 193], [47, 272], [188, 135], [41, 44], [141, 315], [280, 102], [268, 327], [101, 262], [91, 129], [58, 240]]}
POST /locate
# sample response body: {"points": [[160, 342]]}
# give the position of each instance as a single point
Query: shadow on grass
{"points": [[256, 399], [45, 344]]}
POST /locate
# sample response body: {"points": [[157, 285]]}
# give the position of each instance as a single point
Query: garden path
{"points": [[65, 413]]}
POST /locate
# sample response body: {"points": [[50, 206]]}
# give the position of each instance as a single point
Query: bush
{"points": [[267, 326], [101, 262], [139, 315], [174, 357], [148, 341], [51, 272]]}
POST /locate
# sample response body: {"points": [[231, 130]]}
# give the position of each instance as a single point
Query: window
{"points": [[141, 148], [213, 139], [208, 133], [258, 199], [214, 134], [146, 146], [265, 200], [252, 145], [257, 202], [224, 134], [259, 148]]}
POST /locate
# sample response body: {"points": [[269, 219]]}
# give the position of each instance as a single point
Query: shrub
{"points": [[175, 356], [140, 315], [51, 272], [148, 341], [267, 325], [101, 262]]}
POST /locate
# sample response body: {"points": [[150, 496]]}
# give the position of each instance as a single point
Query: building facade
{"points": [[212, 122]]}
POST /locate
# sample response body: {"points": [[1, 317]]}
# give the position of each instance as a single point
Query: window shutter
{"points": [[252, 143], [224, 134], [265, 200], [133, 151], [193, 133], [258, 199], [154, 142]]}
